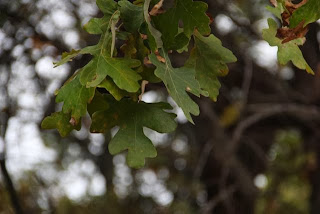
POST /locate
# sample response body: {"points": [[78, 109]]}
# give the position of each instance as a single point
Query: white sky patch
{"points": [[264, 55], [122, 179], [28, 151], [224, 24], [286, 73], [45, 27], [62, 19], [87, 9], [96, 144], [150, 97], [97, 185], [260, 181], [260, 25], [156, 137], [181, 118], [152, 186], [74, 185], [180, 145], [71, 38], [44, 67], [27, 100]]}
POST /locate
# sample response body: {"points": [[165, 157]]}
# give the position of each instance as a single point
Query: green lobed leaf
{"points": [[75, 98], [309, 12], [192, 15], [131, 15], [94, 26], [288, 51], [107, 6], [112, 88], [178, 81], [97, 25], [103, 65], [61, 122], [277, 11], [119, 69], [134, 48], [211, 60], [131, 117]]}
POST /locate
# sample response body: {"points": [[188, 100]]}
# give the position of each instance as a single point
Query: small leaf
{"points": [[131, 117], [119, 69], [97, 25], [107, 6], [288, 51], [131, 15], [75, 97], [112, 88], [61, 122], [211, 60], [191, 14], [177, 81], [277, 11]]}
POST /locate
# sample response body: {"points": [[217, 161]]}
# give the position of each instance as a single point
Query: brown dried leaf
{"points": [[288, 34], [157, 9]]}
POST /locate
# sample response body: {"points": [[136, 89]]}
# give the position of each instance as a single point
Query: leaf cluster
{"points": [[149, 34]]}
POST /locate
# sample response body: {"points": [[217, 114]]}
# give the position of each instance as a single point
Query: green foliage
{"points": [[131, 117], [75, 98], [61, 122], [286, 51], [191, 14], [178, 81], [211, 60], [148, 40], [308, 13]]}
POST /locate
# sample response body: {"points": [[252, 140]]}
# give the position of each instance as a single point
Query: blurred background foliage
{"points": [[256, 150]]}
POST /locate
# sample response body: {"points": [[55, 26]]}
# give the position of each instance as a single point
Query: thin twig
{"points": [[223, 195]]}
